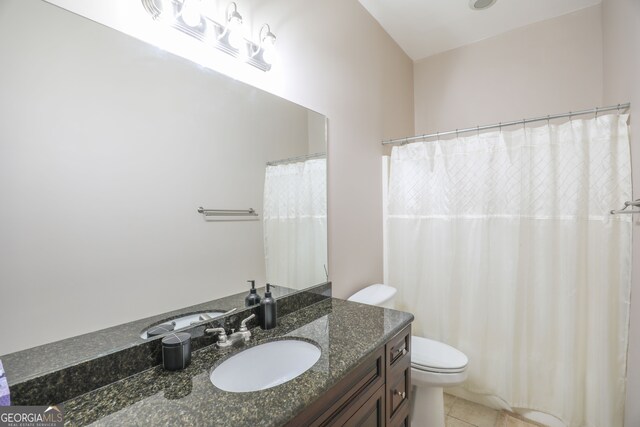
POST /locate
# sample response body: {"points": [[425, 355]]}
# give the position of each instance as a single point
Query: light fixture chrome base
{"points": [[208, 31]]}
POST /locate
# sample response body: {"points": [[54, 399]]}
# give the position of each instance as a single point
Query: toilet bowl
{"points": [[434, 365]]}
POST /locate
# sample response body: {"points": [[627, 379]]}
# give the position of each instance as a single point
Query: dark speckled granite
{"points": [[54, 372], [346, 332]]}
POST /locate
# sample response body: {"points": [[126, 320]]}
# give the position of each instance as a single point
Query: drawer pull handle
{"points": [[402, 394]]}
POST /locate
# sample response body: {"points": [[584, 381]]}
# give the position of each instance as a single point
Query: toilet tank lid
{"points": [[374, 294]]}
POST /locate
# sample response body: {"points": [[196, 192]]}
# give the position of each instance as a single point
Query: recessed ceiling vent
{"points": [[481, 4]]}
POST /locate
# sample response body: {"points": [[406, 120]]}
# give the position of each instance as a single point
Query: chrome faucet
{"points": [[244, 332], [225, 341]]}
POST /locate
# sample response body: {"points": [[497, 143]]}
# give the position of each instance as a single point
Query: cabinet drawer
{"points": [[399, 348], [399, 390]]}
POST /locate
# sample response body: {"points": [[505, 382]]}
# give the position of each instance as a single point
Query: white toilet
{"points": [[434, 365]]}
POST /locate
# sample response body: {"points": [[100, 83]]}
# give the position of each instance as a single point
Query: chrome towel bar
{"points": [[229, 214]]}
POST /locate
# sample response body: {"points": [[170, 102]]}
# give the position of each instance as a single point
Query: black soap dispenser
{"points": [[268, 310], [253, 298]]}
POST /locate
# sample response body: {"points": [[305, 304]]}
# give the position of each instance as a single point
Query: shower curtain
{"points": [[502, 245], [295, 223]]}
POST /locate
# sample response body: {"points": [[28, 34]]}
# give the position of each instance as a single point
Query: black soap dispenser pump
{"points": [[253, 298], [268, 310]]}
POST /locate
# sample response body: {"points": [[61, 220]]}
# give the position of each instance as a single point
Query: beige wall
{"points": [[547, 67], [621, 31], [334, 58]]}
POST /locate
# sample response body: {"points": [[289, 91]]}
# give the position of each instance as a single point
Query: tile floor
{"points": [[462, 413]]}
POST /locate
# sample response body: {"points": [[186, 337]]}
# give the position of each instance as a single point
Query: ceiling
{"points": [[425, 27]]}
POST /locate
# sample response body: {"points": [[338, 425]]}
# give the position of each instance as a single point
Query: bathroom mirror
{"points": [[108, 148]]}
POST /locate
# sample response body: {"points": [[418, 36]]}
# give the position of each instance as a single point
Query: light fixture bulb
{"points": [[168, 12], [191, 12], [269, 48], [236, 35], [234, 29]]}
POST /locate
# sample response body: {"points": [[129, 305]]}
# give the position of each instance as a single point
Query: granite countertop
{"points": [[346, 332], [33, 362]]}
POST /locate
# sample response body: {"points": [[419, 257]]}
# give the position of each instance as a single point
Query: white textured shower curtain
{"points": [[295, 223], [501, 244]]}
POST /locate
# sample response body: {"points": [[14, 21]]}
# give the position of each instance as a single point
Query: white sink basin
{"points": [[265, 366]]}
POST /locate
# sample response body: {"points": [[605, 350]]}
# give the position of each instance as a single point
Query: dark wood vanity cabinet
{"points": [[376, 393]]}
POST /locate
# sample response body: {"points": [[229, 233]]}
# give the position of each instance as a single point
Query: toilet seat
{"points": [[433, 356], [436, 370]]}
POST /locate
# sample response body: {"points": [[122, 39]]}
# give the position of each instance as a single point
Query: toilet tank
{"points": [[380, 295]]}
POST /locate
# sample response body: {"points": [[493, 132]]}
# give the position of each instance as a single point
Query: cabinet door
{"points": [[400, 418], [398, 391], [371, 414], [340, 403]]}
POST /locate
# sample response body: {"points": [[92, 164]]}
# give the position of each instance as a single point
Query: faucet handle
{"points": [[222, 342], [243, 324], [222, 334]]}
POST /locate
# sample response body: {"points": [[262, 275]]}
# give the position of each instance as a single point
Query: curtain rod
{"points": [[297, 159], [570, 114]]}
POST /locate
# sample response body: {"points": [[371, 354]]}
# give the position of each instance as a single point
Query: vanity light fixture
{"points": [[267, 45], [191, 13], [168, 11], [188, 17], [233, 29]]}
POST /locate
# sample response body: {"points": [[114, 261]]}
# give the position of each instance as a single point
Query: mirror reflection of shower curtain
{"points": [[502, 246], [295, 223]]}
